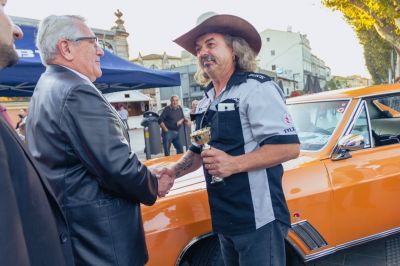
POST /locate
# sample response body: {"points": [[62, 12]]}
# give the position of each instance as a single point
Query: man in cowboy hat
{"points": [[251, 135]]}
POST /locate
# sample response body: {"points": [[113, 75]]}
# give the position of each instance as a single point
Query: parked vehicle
{"points": [[342, 191]]}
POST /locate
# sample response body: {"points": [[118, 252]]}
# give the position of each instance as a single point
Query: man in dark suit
{"points": [[33, 230], [83, 148]]}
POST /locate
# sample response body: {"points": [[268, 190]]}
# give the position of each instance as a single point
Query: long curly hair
{"points": [[245, 59]]}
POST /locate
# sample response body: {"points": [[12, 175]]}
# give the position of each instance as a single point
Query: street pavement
{"points": [[137, 144]]}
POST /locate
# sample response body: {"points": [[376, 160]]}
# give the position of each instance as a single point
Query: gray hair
{"points": [[174, 96], [245, 58], [51, 30]]}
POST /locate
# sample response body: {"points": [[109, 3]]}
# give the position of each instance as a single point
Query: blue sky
{"points": [[153, 24]]}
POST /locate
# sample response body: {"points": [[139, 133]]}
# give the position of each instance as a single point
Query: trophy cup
{"points": [[202, 137]]}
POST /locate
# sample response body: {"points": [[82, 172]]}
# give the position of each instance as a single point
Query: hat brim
{"points": [[224, 24]]}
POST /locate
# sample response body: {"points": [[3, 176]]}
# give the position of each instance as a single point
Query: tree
{"points": [[332, 84], [377, 53], [381, 15], [337, 82]]}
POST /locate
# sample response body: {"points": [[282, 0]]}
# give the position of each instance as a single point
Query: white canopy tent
{"points": [[126, 96], [136, 103]]}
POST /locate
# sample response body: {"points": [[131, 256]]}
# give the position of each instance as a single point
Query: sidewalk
{"points": [[137, 143]]}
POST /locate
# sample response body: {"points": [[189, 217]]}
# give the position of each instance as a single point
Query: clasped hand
{"points": [[165, 181]]}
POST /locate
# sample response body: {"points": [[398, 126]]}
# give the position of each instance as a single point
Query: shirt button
{"points": [[63, 238]]}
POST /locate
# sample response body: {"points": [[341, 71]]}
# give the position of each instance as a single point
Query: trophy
{"points": [[202, 137]]}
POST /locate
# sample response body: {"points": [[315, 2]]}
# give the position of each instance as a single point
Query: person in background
{"points": [[4, 114], [123, 113], [252, 134], [193, 114], [84, 150], [171, 120], [21, 130], [21, 115], [194, 106], [33, 228]]}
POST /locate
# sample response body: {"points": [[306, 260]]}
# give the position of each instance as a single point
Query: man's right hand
{"points": [[166, 178], [165, 182]]}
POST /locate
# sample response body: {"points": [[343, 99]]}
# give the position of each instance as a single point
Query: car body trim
{"points": [[348, 126], [353, 243], [321, 100], [309, 235], [189, 245]]}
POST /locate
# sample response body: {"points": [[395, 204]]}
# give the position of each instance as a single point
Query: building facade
{"points": [[158, 61], [289, 55], [114, 40]]}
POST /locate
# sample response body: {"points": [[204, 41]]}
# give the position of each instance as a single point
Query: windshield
{"points": [[315, 122]]}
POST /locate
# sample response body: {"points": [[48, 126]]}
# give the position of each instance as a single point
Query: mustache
{"points": [[206, 58]]}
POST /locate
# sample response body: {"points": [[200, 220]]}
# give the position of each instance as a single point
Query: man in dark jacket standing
{"points": [[171, 119], [83, 148], [33, 230]]}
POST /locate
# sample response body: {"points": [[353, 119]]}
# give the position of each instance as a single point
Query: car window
{"points": [[388, 106], [361, 127], [316, 121], [385, 119]]}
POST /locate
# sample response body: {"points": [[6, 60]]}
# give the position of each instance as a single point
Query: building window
{"points": [[274, 67], [267, 39], [272, 52]]}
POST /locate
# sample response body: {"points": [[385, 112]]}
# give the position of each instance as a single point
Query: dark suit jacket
{"points": [[83, 149], [33, 230]]}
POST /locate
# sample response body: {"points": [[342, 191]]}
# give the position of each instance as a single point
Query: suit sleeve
{"points": [[97, 137]]}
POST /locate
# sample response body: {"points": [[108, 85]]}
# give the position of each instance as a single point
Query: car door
{"points": [[366, 186]]}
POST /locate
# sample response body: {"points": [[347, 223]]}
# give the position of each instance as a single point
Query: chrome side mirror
{"points": [[350, 142]]}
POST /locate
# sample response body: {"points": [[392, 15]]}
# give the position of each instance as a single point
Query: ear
{"points": [[66, 50]]}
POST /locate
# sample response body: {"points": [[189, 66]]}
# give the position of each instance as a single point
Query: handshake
{"points": [[166, 178]]}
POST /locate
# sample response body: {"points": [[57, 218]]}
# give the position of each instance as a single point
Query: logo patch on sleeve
{"points": [[287, 119]]}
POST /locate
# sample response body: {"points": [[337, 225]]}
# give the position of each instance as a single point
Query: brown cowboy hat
{"points": [[225, 24]]}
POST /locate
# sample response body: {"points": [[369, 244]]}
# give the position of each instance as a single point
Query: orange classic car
{"points": [[342, 191]]}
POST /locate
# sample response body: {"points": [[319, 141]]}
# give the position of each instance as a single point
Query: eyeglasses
{"points": [[91, 39]]}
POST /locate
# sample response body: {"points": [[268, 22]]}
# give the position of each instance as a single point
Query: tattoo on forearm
{"points": [[185, 164]]}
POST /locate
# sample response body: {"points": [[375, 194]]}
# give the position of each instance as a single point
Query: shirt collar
{"points": [[237, 78], [76, 72]]}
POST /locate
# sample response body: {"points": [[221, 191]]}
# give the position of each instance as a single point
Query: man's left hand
{"points": [[219, 163]]}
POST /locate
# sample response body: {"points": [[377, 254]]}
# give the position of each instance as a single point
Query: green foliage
{"points": [[364, 14], [372, 19], [377, 54], [337, 83]]}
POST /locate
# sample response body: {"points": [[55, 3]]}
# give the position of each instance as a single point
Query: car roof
{"points": [[347, 93]]}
